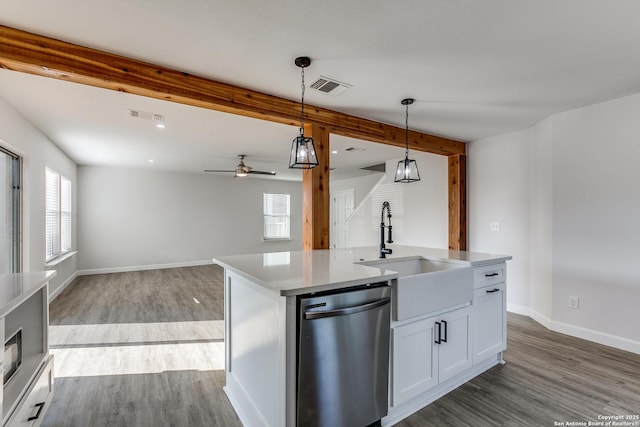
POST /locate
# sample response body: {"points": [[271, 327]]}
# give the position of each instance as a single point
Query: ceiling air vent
{"points": [[146, 115], [327, 85]]}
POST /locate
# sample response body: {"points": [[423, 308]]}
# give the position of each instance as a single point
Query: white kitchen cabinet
{"points": [[454, 355], [415, 365], [39, 395], [490, 322], [428, 352], [24, 312]]}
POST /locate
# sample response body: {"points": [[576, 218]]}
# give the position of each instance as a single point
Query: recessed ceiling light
{"points": [[150, 161], [160, 125], [334, 151]]}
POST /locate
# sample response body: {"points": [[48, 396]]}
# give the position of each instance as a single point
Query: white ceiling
{"points": [[476, 68]]}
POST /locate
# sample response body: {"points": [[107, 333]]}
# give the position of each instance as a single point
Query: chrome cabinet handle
{"points": [[347, 310]]}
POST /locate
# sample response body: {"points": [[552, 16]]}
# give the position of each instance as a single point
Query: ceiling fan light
{"points": [[407, 171], [303, 153], [241, 170]]}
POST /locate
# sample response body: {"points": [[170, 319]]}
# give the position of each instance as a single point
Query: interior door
{"points": [[342, 205]]}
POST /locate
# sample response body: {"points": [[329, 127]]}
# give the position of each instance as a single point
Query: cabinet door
{"points": [[414, 365], [454, 355], [490, 322], [36, 401]]}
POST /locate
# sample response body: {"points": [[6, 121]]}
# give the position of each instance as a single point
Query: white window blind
{"points": [[276, 211], [57, 214], [65, 214], [52, 210]]}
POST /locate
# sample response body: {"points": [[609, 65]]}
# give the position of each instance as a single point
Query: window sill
{"points": [[60, 259], [276, 239]]}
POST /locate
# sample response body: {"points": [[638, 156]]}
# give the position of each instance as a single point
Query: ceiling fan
{"points": [[242, 169]]}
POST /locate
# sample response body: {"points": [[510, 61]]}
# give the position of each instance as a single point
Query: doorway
{"points": [[342, 205]]}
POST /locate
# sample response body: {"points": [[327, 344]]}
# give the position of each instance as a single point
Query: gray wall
{"points": [[136, 218]]}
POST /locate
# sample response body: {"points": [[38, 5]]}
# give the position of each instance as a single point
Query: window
{"points": [[276, 216], [9, 212], [58, 214]]}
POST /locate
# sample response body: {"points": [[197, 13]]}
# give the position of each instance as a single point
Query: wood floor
{"points": [[144, 349], [140, 349]]}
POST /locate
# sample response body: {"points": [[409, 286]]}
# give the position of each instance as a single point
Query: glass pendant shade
{"points": [[303, 153], [407, 171]]}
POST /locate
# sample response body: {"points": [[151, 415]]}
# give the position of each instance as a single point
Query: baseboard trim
{"points": [[53, 295], [142, 267], [542, 319], [519, 309], [596, 336], [603, 338]]}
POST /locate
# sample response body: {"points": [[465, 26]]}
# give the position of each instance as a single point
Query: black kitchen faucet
{"points": [[383, 250]]}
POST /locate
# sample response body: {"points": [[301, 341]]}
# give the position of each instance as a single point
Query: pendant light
{"points": [[303, 152], [407, 170]]}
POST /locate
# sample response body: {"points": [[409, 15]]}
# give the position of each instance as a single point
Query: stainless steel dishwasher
{"points": [[343, 357]]}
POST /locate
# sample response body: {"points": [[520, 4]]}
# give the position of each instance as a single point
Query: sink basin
{"points": [[412, 267], [426, 286]]}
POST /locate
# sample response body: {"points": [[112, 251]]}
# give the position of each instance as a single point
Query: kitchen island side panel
{"points": [[256, 355]]}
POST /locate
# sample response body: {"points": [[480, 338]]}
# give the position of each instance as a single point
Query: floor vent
{"points": [[327, 85]]}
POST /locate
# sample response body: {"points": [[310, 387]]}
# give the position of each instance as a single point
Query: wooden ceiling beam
{"points": [[43, 56]]}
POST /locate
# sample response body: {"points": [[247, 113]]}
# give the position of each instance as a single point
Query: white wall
{"points": [[498, 191], [566, 189], [419, 209], [131, 218], [541, 226], [361, 185], [596, 215], [37, 152]]}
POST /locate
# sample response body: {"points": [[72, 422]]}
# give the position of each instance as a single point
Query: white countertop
{"points": [[301, 272], [17, 288]]}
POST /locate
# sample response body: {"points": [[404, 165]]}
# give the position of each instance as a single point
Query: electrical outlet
{"points": [[574, 302], [494, 226]]}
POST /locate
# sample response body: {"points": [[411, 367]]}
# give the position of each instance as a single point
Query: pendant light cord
{"points": [[302, 109], [406, 133]]}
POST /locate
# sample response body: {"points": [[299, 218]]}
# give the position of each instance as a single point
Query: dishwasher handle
{"points": [[309, 315]]}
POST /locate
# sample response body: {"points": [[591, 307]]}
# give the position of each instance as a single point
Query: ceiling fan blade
{"points": [[213, 170], [262, 172]]}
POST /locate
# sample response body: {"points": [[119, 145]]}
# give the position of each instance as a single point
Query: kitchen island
{"points": [[261, 314]]}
